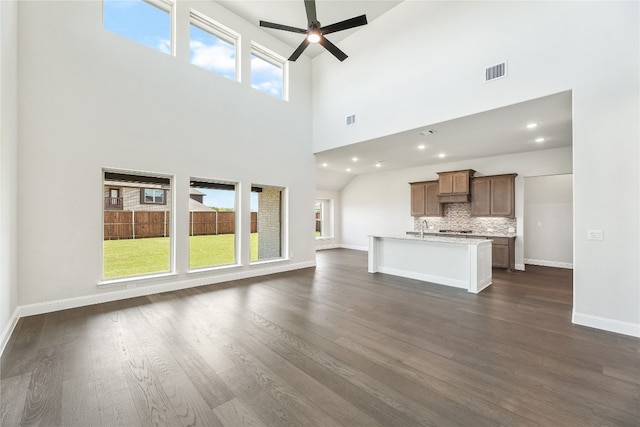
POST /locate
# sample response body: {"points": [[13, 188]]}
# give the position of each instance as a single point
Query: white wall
{"points": [[8, 166], [334, 241], [91, 99], [548, 220], [423, 63]]}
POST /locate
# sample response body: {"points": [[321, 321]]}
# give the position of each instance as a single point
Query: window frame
{"points": [[284, 225], [326, 219], [272, 58], [115, 281], [216, 29], [143, 196]]}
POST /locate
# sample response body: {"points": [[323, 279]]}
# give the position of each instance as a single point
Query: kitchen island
{"points": [[452, 261]]}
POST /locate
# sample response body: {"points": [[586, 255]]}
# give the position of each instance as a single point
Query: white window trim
{"points": [[216, 29], [326, 219], [172, 228], [277, 60]]}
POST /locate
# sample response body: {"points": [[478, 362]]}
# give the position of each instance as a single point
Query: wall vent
{"points": [[495, 72], [351, 120]]}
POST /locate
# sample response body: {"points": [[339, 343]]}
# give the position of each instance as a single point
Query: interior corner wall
{"points": [[548, 224], [91, 99], [8, 167], [423, 63]]}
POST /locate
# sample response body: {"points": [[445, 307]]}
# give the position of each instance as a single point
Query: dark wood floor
{"points": [[331, 346]]}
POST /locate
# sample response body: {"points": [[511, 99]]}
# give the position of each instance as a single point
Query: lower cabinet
{"points": [[503, 252]]}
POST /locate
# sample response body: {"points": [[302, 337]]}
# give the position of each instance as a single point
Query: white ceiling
{"points": [[292, 13], [490, 133]]}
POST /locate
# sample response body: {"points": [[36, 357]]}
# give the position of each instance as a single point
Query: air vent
{"points": [[495, 72], [351, 120]]}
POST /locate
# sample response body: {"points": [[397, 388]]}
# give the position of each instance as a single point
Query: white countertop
{"points": [[472, 234], [440, 239]]}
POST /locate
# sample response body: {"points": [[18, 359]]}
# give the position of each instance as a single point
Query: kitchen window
{"points": [[269, 72], [145, 21], [213, 46]]}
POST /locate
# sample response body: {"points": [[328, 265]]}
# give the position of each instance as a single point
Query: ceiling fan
{"points": [[316, 33]]}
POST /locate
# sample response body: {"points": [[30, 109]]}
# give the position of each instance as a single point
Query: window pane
{"points": [[267, 76], [212, 224], [136, 234], [268, 238], [140, 21], [212, 53]]}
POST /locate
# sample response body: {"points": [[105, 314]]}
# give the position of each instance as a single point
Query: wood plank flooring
{"points": [[330, 346]]}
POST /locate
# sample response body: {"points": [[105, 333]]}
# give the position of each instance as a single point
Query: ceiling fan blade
{"points": [[296, 53], [333, 49], [310, 7], [282, 27], [345, 25]]}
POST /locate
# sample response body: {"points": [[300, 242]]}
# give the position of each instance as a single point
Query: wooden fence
{"points": [[141, 224]]}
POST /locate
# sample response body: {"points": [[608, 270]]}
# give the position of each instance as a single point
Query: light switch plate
{"points": [[594, 235]]}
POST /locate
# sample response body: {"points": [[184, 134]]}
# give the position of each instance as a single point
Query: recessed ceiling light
{"points": [[532, 125], [421, 147], [348, 169], [378, 165], [441, 155], [324, 165], [540, 139], [355, 159]]}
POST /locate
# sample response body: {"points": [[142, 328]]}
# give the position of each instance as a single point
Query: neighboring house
{"points": [[132, 196]]}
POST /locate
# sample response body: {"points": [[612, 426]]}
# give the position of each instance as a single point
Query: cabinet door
{"points": [[500, 256], [460, 182], [502, 200], [417, 199], [481, 197], [445, 183], [432, 207]]}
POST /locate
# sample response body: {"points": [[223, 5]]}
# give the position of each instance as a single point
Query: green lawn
{"points": [[133, 257]]}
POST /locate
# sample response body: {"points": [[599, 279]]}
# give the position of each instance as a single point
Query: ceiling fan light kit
{"points": [[315, 33]]}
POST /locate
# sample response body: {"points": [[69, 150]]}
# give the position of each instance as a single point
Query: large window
{"points": [[145, 21], [212, 224], [213, 47], [137, 232], [268, 72], [267, 240]]}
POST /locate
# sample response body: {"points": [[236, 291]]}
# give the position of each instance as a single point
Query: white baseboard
{"points": [[611, 325], [324, 247], [8, 330], [67, 303], [355, 247], [519, 267], [544, 263]]}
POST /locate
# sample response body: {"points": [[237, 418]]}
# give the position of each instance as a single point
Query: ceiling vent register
{"points": [[495, 72]]}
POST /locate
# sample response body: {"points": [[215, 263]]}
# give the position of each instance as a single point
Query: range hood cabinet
{"points": [[454, 186]]}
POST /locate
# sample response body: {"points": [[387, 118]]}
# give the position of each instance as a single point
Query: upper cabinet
{"points": [[493, 196], [424, 199], [454, 187]]}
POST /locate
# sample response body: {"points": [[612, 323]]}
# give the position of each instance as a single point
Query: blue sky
{"points": [[225, 198], [146, 24]]}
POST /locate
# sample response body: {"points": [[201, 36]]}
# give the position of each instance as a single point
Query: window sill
{"points": [[325, 238], [268, 261], [213, 268], [126, 280]]}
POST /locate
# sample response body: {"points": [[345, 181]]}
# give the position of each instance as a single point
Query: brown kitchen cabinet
{"points": [[453, 187], [424, 199], [493, 196], [503, 252]]}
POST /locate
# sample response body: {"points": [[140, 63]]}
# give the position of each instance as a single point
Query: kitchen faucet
{"points": [[423, 225]]}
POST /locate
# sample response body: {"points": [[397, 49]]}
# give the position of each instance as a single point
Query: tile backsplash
{"points": [[457, 216]]}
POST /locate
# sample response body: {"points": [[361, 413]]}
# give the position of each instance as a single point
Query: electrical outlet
{"points": [[512, 230], [594, 235], [489, 230]]}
